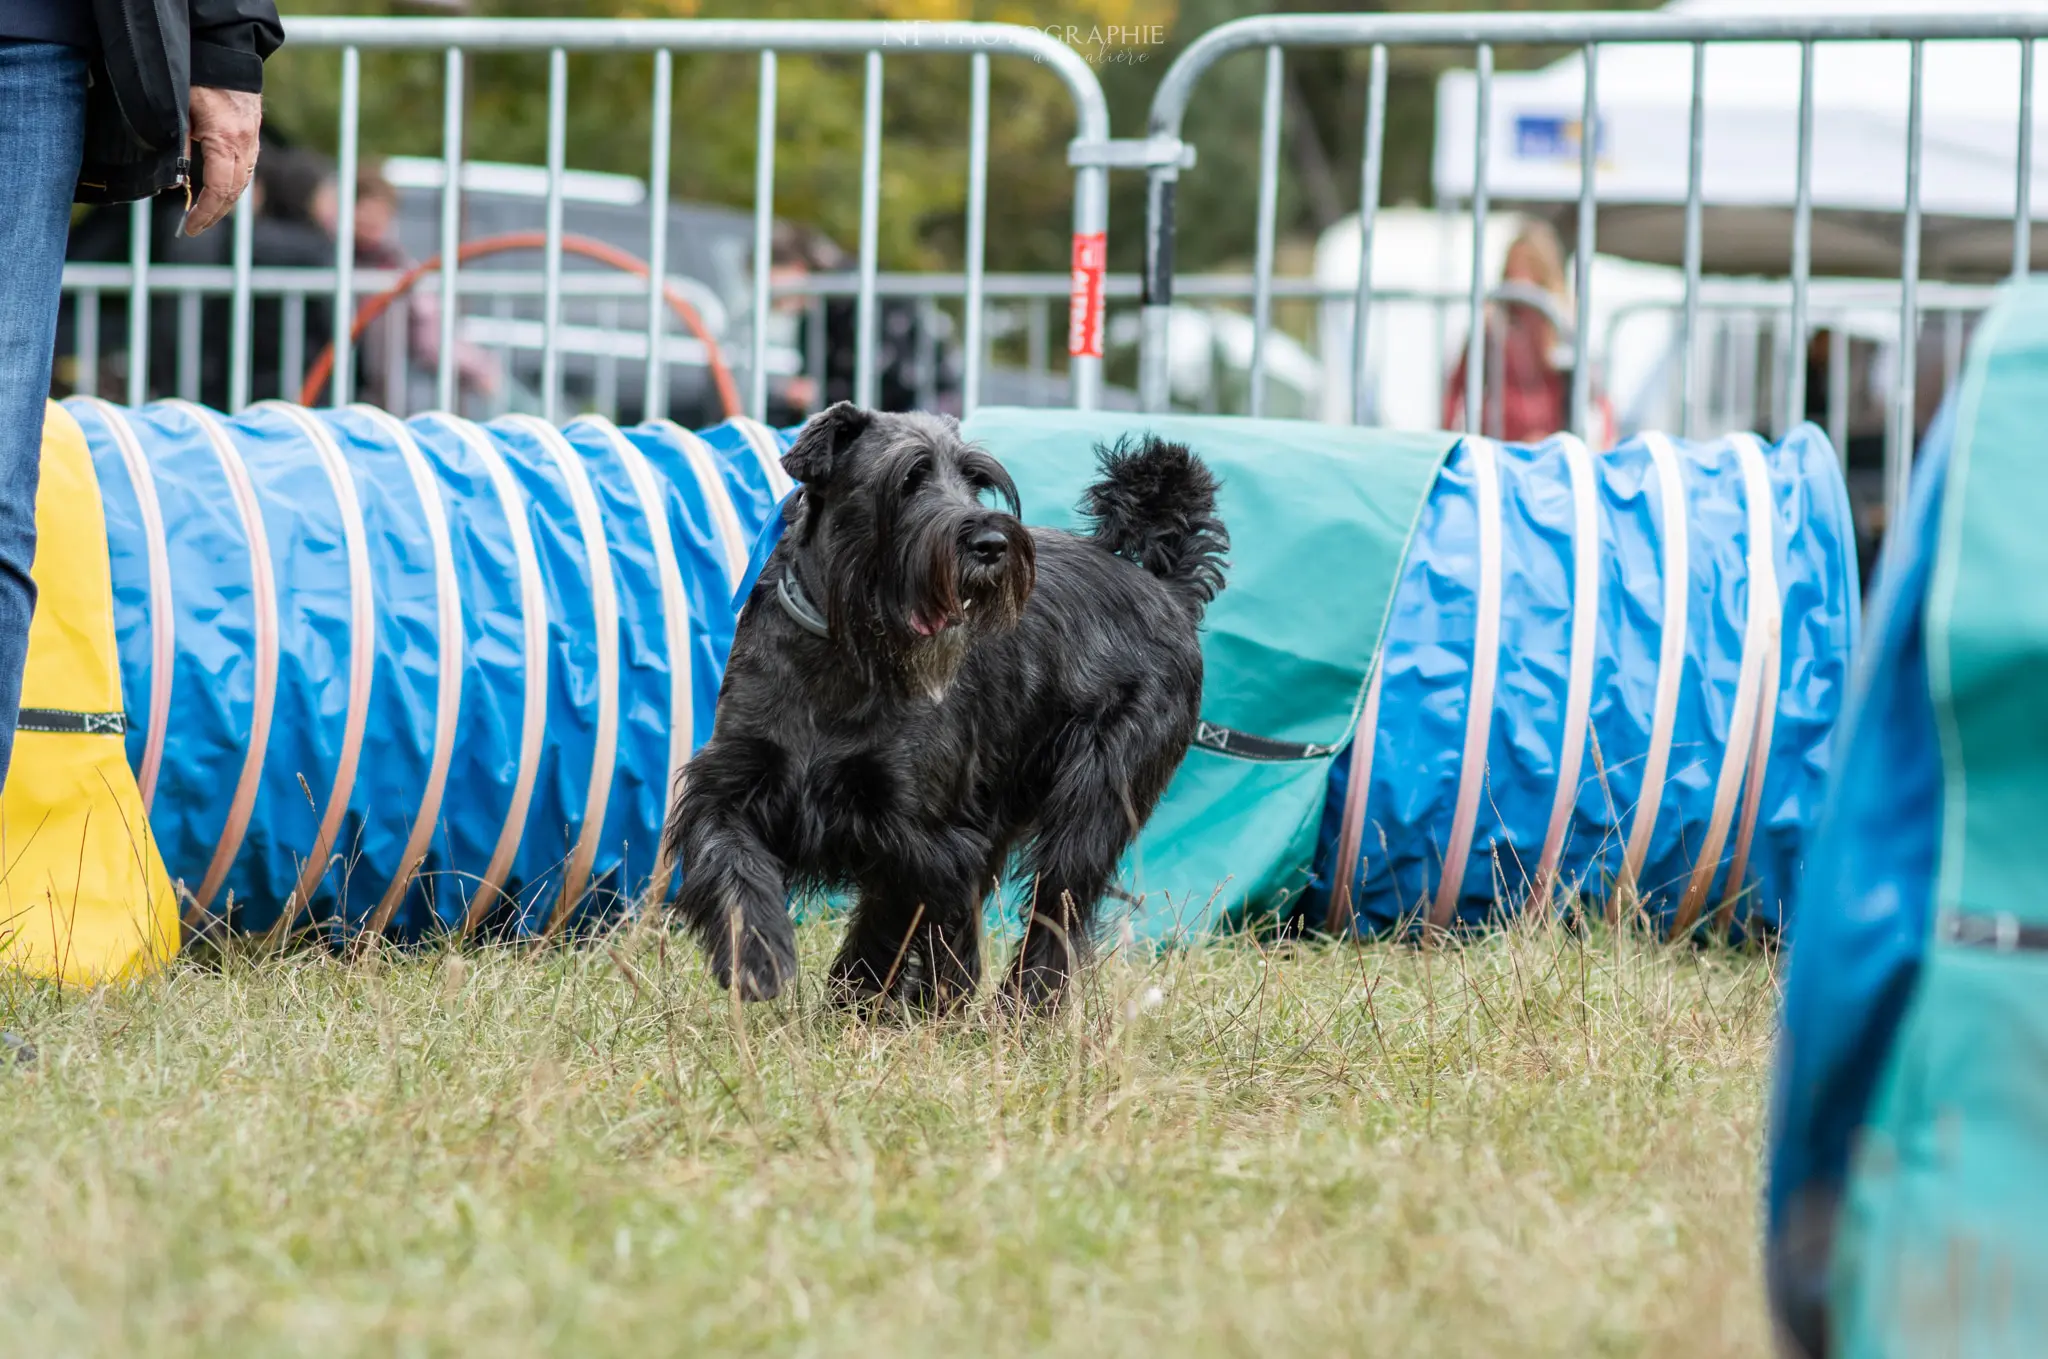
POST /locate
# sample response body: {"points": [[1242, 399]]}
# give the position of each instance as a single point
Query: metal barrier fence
{"points": [[457, 37], [1588, 32]]}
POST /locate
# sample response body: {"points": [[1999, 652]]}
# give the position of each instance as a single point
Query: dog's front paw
{"points": [[763, 967]]}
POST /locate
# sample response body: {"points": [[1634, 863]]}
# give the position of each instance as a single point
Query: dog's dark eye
{"points": [[913, 479]]}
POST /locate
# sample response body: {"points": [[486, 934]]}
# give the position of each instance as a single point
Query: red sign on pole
{"points": [[1084, 301]]}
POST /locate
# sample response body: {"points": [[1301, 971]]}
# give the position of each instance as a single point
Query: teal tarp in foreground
{"points": [[1909, 1159], [1319, 519]]}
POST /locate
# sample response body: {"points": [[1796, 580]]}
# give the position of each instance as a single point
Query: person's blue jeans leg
{"points": [[42, 136]]}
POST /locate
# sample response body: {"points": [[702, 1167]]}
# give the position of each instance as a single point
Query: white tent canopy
{"points": [[1970, 140]]}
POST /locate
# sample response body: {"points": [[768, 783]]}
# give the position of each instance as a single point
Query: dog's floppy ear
{"points": [[816, 453]]}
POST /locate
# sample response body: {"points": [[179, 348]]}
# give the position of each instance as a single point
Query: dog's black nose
{"points": [[988, 546]]}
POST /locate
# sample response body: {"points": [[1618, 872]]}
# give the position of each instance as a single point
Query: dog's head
{"points": [[914, 535]]}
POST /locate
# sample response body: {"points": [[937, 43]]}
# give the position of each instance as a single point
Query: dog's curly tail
{"points": [[1155, 505]]}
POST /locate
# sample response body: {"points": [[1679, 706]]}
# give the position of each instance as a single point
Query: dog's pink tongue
{"points": [[926, 625]]}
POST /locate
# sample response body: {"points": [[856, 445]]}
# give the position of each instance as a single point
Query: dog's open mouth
{"points": [[930, 622]]}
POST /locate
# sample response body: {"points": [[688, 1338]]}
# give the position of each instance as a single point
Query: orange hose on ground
{"points": [[583, 246]]}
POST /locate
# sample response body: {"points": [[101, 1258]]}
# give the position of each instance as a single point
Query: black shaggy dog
{"points": [[920, 685]]}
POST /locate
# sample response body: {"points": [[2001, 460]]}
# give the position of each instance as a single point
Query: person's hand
{"points": [[225, 124]]}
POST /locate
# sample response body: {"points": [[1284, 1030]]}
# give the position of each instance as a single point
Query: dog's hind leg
{"points": [[1085, 826]]}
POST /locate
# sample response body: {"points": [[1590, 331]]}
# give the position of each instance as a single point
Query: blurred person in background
{"points": [[796, 254], [104, 102], [377, 247], [1528, 364]]}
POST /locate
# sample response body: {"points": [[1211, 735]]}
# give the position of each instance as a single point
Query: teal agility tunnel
{"points": [[432, 676], [1908, 1158]]}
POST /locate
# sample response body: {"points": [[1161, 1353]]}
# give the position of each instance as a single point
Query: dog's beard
{"points": [[906, 593], [944, 626], [951, 602]]}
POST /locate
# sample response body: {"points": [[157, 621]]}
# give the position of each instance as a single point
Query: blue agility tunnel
{"points": [[1607, 676], [418, 676], [429, 676]]}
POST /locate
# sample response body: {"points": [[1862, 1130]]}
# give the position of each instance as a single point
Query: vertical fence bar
{"points": [[446, 374], [926, 350], [240, 305], [1898, 470], [341, 385], [1802, 249], [1036, 351], [1475, 339], [1368, 221], [1091, 219], [654, 400], [292, 345], [1269, 201], [87, 379], [1155, 365], [764, 235], [605, 392], [977, 235], [1899, 449], [2023, 204], [1689, 326], [186, 364], [138, 302], [864, 383], [397, 324], [1587, 246], [814, 344], [1838, 392], [551, 267], [1951, 346]]}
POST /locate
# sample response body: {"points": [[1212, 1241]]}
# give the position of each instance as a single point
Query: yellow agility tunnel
{"points": [[84, 896]]}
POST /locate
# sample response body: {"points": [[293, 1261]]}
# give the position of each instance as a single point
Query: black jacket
{"points": [[151, 54]]}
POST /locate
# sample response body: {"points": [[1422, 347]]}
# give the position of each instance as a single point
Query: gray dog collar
{"points": [[798, 606]]}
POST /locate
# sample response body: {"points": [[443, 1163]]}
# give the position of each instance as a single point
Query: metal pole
{"points": [[1589, 164], [446, 374], [2023, 206], [977, 233], [1899, 452], [341, 386], [1368, 221], [88, 383], [1802, 247], [864, 382], [1091, 218], [1269, 198], [551, 301], [654, 400], [186, 369], [138, 302], [1838, 392], [764, 234], [1689, 368], [292, 356], [239, 306], [1155, 363], [1475, 339]]}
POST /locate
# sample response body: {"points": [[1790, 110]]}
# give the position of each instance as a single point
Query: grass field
{"points": [[1533, 1145]]}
